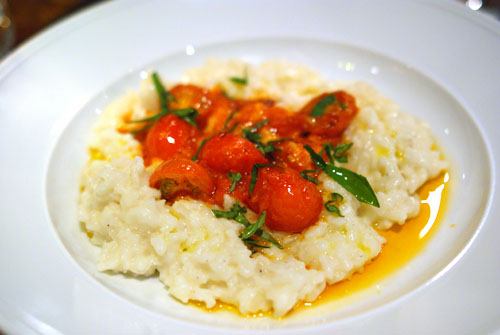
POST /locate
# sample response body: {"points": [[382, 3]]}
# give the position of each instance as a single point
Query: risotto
{"points": [[199, 244]]}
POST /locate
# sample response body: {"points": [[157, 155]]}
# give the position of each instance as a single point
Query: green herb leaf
{"points": [[321, 105], [235, 178], [236, 213], [252, 228], [240, 80], [320, 162], [163, 94], [197, 154], [354, 183], [187, 114], [304, 174], [252, 135], [232, 213], [229, 118], [332, 208], [254, 173], [336, 197], [269, 238], [329, 205]]}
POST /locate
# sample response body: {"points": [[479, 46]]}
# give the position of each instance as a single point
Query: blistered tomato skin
{"points": [[336, 116], [292, 203], [227, 152], [169, 137], [182, 177], [240, 192]]}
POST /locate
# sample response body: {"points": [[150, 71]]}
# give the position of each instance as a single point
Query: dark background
{"points": [[30, 16]]}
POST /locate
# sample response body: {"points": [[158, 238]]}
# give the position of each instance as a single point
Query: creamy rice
{"points": [[200, 257]]}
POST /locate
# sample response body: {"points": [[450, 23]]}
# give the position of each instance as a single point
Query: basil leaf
{"points": [[332, 208], [304, 174], [240, 80], [321, 105], [336, 197], [354, 183], [315, 157], [252, 228], [268, 237], [187, 114], [229, 118], [197, 154], [236, 213], [163, 94], [235, 178]]}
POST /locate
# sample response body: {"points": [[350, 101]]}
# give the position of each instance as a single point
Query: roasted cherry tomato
{"points": [[240, 192], [280, 121], [213, 106], [228, 152], [293, 155], [336, 116], [170, 136], [292, 203], [182, 177]]}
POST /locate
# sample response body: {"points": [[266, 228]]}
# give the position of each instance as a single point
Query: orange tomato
{"points": [[182, 177], [292, 203], [240, 192], [228, 152], [336, 116], [170, 136]]}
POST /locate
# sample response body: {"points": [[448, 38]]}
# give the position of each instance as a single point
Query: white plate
{"points": [[438, 61]]}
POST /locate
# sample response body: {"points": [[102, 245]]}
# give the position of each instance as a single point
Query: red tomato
{"points": [[228, 152], [281, 122], [182, 177], [240, 192], [292, 203], [336, 116], [294, 155], [170, 136], [213, 106]]}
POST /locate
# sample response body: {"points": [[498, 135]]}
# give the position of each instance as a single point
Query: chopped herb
{"points": [[305, 174], [329, 205], [251, 229], [320, 162], [240, 80], [343, 106], [336, 152], [229, 118], [336, 196], [321, 105], [253, 233], [252, 135], [187, 114], [235, 178], [195, 157], [354, 183], [254, 173]]}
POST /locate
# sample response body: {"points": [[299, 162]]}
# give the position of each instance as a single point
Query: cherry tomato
{"points": [[280, 121], [294, 155], [182, 177], [240, 192], [213, 106], [336, 116], [170, 136], [292, 203], [228, 152]]}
